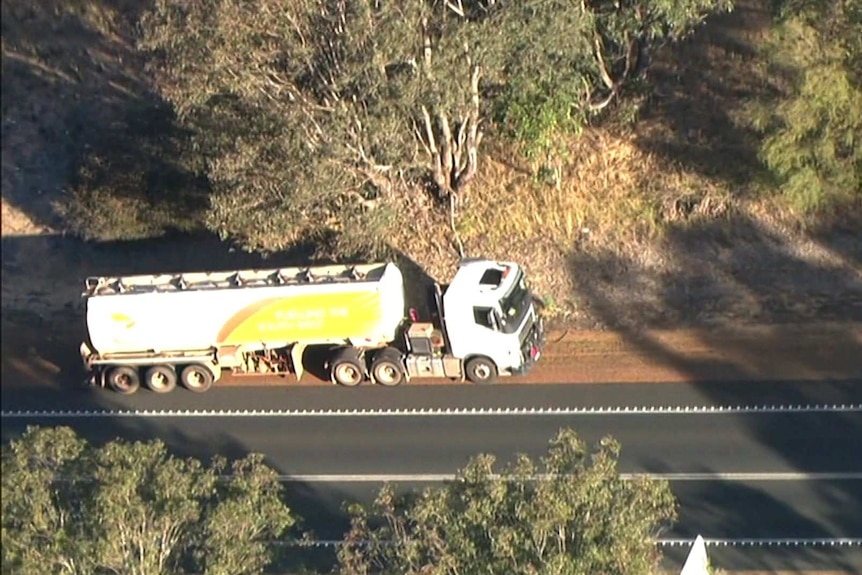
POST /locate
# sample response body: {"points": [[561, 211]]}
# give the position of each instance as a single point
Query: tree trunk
{"points": [[453, 153]]}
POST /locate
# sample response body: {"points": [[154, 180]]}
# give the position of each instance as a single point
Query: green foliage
{"points": [[39, 534], [304, 109], [132, 508], [569, 513], [564, 60], [248, 515], [813, 136]]}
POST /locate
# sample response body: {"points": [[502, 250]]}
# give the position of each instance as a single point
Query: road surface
{"points": [[761, 465]]}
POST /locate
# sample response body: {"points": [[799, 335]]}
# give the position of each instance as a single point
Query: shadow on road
{"points": [[785, 288]]}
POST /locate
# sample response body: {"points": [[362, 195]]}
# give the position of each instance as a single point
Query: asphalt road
{"points": [[756, 461]]}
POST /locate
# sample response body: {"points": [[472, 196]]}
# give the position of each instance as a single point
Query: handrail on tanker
{"points": [[111, 285]]}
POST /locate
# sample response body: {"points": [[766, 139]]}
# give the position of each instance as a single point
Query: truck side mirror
{"points": [[493, 320]]}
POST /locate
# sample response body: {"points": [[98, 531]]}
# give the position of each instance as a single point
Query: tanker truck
{"points": [[190, 329]]}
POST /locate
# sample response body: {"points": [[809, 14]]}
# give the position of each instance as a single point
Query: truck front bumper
{"points": [[531, 350]]}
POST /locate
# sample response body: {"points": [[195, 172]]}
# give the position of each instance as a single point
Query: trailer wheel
{"points": [[346, 367], [386, 368], [481, 370], [123, 379], [196, 378], [160, 378]]}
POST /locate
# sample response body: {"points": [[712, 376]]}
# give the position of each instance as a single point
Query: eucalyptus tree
{"points": [[812, 132], [132, 508], [568, 512]]}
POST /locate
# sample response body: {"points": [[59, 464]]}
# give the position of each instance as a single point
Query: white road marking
{"points": [[798, 542], [441, 477], [436, 411], [766, 542]]}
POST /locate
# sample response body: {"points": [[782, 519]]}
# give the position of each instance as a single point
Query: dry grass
{"points": [[608, 187]]}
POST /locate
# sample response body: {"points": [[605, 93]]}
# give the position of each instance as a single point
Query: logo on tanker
{"points": [[123, 325], [123, 320], [301, 317]]}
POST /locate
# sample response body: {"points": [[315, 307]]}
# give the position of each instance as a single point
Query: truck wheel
{"points": [[196, 378], [346, 368], [386, 368], [160, 378], [124, 379], [481, 370]]}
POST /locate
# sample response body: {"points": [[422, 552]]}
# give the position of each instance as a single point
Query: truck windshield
{"points": [[515, 304]]}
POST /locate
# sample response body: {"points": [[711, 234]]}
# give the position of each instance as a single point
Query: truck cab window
{"points": [[485, 317], [515, 305]]}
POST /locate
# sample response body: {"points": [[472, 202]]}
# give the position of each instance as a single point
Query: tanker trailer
{"points": [[161, 330]]}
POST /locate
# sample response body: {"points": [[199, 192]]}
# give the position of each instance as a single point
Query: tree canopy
{"points": [[813, 135], [312, 114], [569, 512], [130, 507], [70, 507]]}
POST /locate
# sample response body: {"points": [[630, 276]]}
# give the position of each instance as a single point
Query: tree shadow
{"points": [[80, 121], [723, 272], [699, 85], [841, 235], [769, 518], [720, 282]]}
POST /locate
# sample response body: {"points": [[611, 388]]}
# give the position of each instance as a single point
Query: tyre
{"points": [[160, 378], [196, 378], [346, 368], [386, 368], [481, 370], [123, 379]]}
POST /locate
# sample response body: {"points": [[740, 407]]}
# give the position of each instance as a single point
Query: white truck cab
{"points": [[490, 319]]}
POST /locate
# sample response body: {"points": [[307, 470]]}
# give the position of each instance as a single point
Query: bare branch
{"points": [[474, 137], [421, 139], [446, 151], [438, 172], [601, 105], [426, 45], [603, 68], [458, 243], [429, 131], [632, 58], [457, 7], [458, 146]]}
